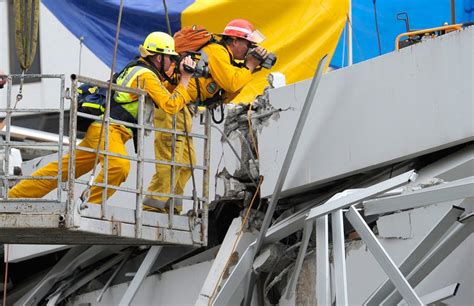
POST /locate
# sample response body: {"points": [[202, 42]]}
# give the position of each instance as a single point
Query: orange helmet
{"points": [[242, 28]]}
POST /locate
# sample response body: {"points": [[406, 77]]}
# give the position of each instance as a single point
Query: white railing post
{"points": [[339, 257], [323, 285]]}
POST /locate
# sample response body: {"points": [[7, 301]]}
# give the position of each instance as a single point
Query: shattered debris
{"points": [[261, 111]]}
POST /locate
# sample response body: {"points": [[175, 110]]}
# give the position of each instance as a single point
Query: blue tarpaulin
{"points": [[96, 22]]}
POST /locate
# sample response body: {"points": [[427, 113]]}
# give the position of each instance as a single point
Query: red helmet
{"points": [[242, 28]]}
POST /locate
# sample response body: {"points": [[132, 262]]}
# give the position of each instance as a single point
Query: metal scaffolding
{"points": [[65, 220]]}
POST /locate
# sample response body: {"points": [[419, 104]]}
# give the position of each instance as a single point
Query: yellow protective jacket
{"points": [[224, 75], [170, 103]]}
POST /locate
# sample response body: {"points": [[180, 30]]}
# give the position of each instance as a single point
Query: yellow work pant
{"points": [[161, 181], [118, 168]]}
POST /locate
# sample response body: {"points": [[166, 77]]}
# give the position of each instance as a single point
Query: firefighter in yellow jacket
{"points": [[225, 73], [149, 71]]}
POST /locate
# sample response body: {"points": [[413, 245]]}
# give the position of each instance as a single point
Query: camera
{"points": [[201, 69], [267, 62]]}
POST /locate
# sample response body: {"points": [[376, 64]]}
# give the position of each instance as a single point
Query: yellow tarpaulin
{"points": [[298, 32]]}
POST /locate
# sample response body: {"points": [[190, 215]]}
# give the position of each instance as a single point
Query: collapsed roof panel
{"points": [[388, 109]]}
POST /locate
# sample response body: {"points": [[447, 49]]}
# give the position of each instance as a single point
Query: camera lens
{"points": [[269, 61]]}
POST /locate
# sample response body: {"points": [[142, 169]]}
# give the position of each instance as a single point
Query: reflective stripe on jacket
{"points": [[128, 101], [171, 103]]}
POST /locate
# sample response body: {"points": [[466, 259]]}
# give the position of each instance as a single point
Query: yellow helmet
{"points": [[157, 42]]}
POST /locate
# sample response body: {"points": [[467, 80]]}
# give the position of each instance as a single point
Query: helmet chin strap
{"points": [[161, 69], [162, 64]]}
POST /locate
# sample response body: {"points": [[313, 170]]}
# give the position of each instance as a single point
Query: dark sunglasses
{"points": [[250, 44]]}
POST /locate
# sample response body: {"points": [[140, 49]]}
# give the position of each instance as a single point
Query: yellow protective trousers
{"points": [[161, 180], [118, 168]]}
